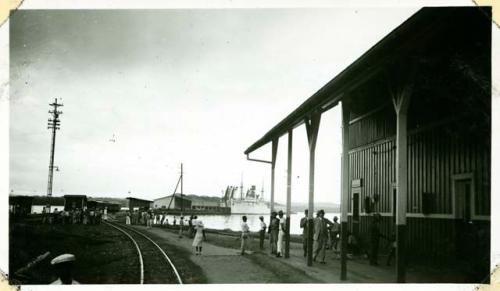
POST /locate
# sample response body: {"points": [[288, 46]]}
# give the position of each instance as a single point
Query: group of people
{"points": [[148, 218], [277, 230], [145, 217], [74, 216], [325, 234]]}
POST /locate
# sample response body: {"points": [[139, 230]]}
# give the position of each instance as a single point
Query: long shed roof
{"points": [[407, 40]]}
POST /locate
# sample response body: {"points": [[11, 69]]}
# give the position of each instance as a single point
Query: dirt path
{"points": [[226, 265]]}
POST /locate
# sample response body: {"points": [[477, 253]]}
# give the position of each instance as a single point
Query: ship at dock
{"points": [[249, 202]]}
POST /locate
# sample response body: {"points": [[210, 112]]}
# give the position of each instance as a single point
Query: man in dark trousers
{"points": [[392, 243], [334, 233], [303, 225], [273, 232], [320, 236], [374, 239]]}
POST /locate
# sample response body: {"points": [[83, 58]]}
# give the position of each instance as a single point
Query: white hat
{"points": [[63, 259]]}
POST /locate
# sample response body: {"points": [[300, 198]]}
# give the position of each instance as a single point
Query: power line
{"points": [[54, 124]]}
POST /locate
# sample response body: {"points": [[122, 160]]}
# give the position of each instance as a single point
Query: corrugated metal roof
{"points": [[59, 201]]}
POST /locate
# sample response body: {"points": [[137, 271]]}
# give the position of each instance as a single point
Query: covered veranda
{"points": [[395, 68]]}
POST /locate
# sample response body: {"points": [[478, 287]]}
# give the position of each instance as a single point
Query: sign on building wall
{"points": [[356, 183]]}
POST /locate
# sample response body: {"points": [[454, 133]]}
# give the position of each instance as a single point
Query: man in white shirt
{"points": [[245, 232], [262, 232]]}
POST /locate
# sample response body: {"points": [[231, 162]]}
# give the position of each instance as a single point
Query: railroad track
{"points": [[155, 265]]}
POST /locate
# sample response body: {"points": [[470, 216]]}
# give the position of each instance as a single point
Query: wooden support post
{"points": [[312, 127], [274, 151], [344, 188], [288, 194], [273, 165], [401, 102]]}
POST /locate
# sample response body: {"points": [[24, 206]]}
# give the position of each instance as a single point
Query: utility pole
{"points": [[54, 124], [182, 182]]}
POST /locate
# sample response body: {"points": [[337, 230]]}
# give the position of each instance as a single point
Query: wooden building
{"points": [[172, 202], [99, 204], [20, 205], [75, 202], [416, 135], [50, 203], [138, 204]]}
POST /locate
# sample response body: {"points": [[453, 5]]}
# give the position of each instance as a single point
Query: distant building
{"points": [[136, 203], [75, 201], [172, 202], [20, 205], [51, 203], [201, 203], [99, 204]]}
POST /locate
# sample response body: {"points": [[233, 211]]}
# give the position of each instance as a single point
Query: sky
{"points": [[178, 86]]}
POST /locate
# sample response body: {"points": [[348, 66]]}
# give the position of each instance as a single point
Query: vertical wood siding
{"points": [[434, 156]]}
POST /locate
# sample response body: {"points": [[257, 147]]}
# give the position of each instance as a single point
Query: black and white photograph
{"points": [[341, 144]]}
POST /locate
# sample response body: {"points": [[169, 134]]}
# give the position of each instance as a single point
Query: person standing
{"points": [[262, 232], [127, 218], [198, 237], [145, 218], [352, 244], [191, 229], [303, 225], [63, 266], [320, 236], [393, 244], [244, 234], [374, 239], [334, 233], [181, 225], [150, 218], [99, 216], [281, 234], [273, 232], [85, 216], [105, 214], [44, 215]]}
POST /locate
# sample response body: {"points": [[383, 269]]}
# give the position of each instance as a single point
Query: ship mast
{"points": [[241, 187], [262, 191]]}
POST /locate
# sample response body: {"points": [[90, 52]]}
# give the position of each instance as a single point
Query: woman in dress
{"points": [[198, 237], [244, 234], [127, 218]]}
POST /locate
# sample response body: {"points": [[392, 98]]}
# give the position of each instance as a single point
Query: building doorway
{"points": [[355, 211], [465, 230], [471, 234]]}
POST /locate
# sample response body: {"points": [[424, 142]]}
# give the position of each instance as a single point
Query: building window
{"points": [[428, 202]]}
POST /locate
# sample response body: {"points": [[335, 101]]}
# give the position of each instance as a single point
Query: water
{"points": [[233, 221]]}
